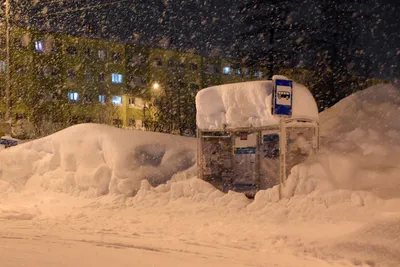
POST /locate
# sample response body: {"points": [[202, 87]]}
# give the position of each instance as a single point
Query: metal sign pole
{"points": [[8, 93], [282, 144]]}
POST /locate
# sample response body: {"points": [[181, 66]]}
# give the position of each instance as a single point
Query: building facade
{"points": [[64, 79]]}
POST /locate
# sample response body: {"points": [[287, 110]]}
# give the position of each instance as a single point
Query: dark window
{"points": [[88, 76], [55, 47], [72, 51], [88, 52], [20, 70], [20, 116], [40, 72], [158, 62], [87, 99], [171, 63], [47, 71], [71, 74], [193, 67], [74, 119], [194, 87], [116, 57], [55, 72], [58, 95], [210, 69], [136, 60], [18, 43]]}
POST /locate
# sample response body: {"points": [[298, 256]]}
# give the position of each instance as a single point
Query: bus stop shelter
{"points": [[251, 134]]}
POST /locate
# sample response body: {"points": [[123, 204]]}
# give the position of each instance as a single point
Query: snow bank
{"points": [[377, 243], [187, 188], [248, 103], [95, 159], [358, 162]]}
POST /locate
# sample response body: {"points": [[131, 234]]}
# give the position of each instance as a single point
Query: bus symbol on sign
{"points": [[282, 97], [284, 94]]}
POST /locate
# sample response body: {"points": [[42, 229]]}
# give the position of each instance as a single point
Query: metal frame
{"points": [[279, 129]]}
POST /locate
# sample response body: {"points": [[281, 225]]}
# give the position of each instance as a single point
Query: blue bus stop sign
{"points": [[282, 97]]}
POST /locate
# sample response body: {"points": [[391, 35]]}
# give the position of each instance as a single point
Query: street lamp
{"points": [[8, 118], [156, 86]]}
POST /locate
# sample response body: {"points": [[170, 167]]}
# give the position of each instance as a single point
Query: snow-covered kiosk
{"points": [[251, 134]]}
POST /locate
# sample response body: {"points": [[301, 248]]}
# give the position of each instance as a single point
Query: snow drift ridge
{"points": [[95, 159]]}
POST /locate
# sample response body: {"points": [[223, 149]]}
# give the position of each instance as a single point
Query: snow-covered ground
{"points": [[79, 198]]}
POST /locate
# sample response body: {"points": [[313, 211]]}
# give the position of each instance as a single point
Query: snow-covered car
{"points": [[8, 142]]}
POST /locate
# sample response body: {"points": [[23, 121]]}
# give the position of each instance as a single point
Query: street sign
{"points": [[245, 150], [282, 97]]}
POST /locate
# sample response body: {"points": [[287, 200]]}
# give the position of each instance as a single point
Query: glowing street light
{"points": [[156, 86]]}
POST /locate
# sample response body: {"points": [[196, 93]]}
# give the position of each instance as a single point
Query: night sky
{"points": [[210, 27]]}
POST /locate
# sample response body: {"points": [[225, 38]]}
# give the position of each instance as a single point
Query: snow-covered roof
{"points": [[248, 104]]}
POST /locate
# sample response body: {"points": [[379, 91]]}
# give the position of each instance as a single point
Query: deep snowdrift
{"points": [[95, 159], [359, 155]]}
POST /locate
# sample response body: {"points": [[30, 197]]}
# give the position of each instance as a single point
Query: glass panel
{"points": [[216, 161], [244, 160], [269, 160], [299, 146]]}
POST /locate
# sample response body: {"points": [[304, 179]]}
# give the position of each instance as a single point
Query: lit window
{"points": [[73, 96], [116, 100], [258, 74], [116, 78], [3, 66], [227, 71], [102, 98], [39, 46], [238, 72]]}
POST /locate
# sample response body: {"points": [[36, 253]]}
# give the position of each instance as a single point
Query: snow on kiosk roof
{"points": [[251, 134], [248, 104]]}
